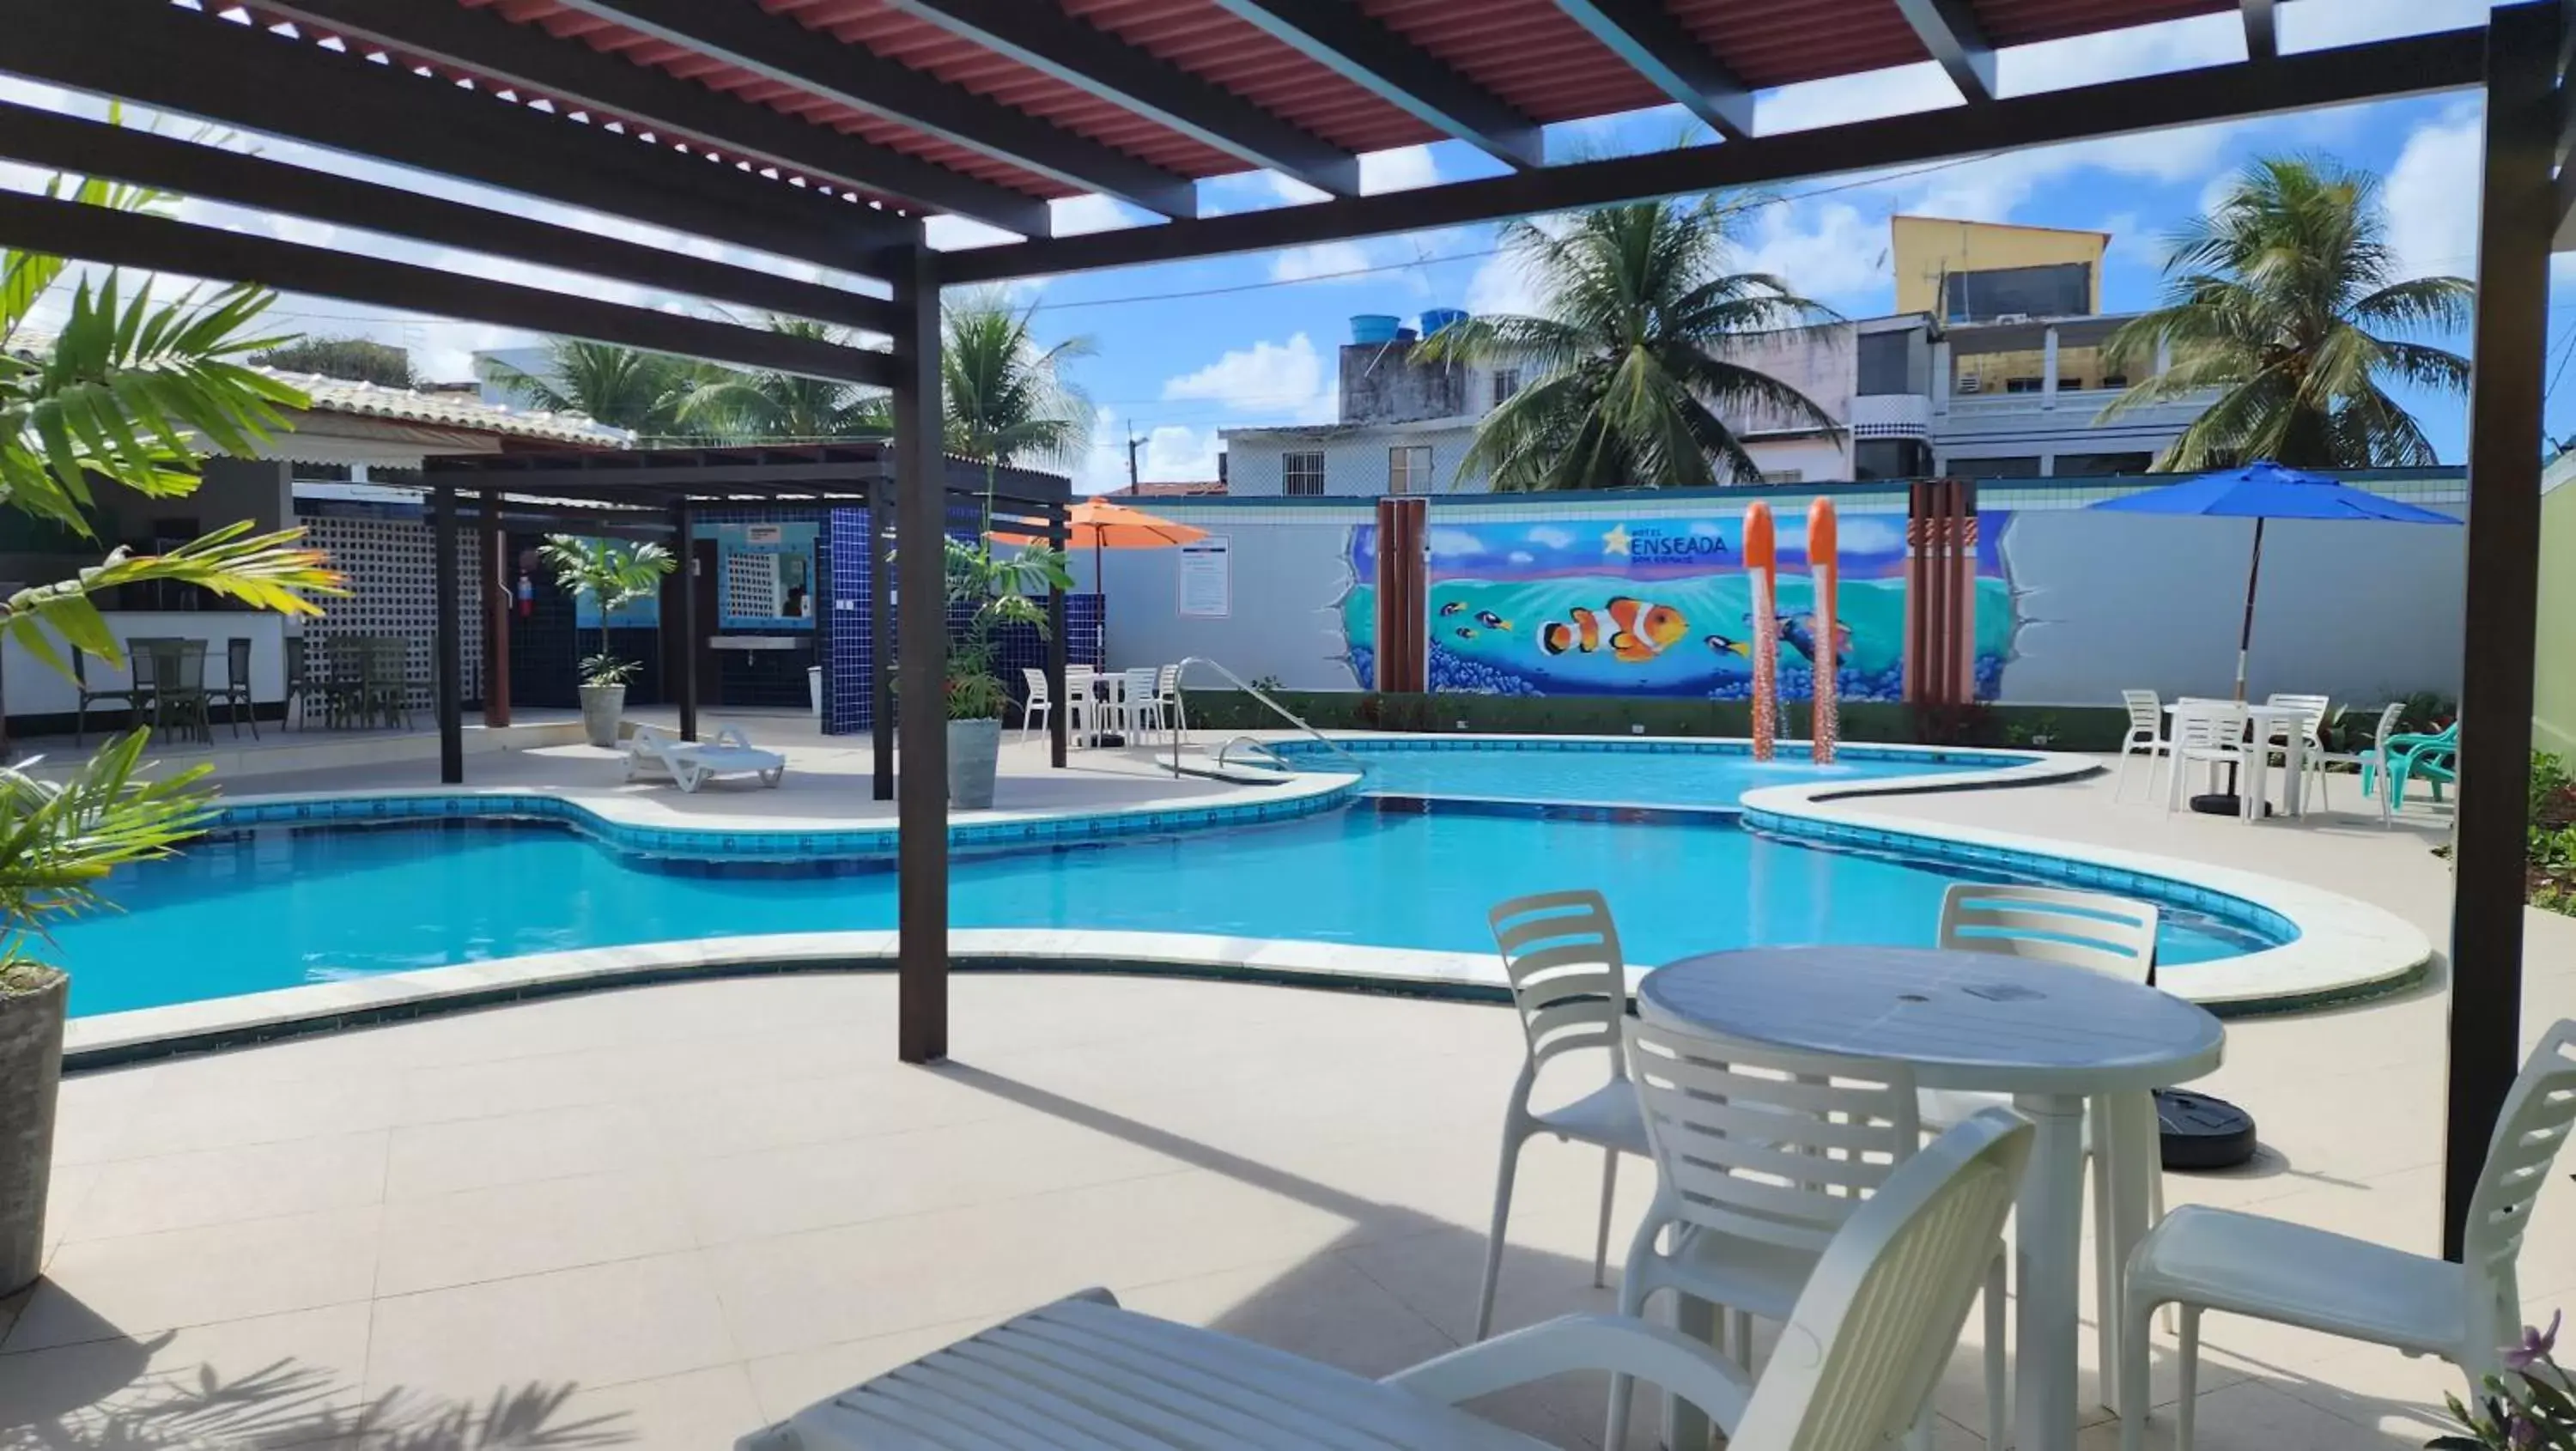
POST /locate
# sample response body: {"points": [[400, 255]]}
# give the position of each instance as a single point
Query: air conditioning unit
{"points": [[1969, 383], [2012, 317]]}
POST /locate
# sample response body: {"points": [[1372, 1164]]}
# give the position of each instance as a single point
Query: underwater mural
{"points": [[1661, 607]]}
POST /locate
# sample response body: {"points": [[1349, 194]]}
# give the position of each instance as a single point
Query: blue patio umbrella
{"points": [[2265, 490]]}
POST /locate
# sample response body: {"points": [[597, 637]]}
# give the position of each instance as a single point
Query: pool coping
{"points": [[2345, 948]]}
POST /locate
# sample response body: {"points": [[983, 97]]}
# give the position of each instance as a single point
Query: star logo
{"points": [[1615, 541]]}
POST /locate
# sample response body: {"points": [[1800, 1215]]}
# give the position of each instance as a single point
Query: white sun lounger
{"points": [[654, 751]]}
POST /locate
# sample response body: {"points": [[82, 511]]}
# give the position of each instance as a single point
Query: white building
{"points": [[2007, 397]]}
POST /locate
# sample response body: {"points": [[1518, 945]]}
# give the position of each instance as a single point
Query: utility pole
{"points": [[1132, 442]]}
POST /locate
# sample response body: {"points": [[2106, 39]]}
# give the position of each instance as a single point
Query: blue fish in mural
{"points": [[1800, 631], [1725, 646], [1492, 621]]}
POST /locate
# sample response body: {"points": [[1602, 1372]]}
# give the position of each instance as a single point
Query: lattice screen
{"points": [[394, 591]]}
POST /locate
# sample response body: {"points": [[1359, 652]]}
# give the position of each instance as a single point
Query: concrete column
{"points": [[1941, 377], [2048, 370]]}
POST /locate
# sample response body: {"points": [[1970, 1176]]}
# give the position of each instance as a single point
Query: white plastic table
{"points": [[2287, 722], [2049, 1035]]}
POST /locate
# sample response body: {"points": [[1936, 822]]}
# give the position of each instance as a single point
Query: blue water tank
{"points": [[1373, 327], [1405, 335], [1436, 318]]}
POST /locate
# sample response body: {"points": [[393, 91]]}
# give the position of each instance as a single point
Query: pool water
{"points": [[1561, 773], [275, 906]]}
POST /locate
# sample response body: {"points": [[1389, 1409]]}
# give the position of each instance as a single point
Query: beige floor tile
{"points": [[219, 1186], [987, 1161], [65, 1197], [531, 1228], [93, 1111], [143, 1284], [587, 1328], [2253, 1416], [787, 1383], [184, 1115], [515, 1148], [699, 1410], [1321, 1307], [270, 1381], [754, 1114], [490, 1088]]}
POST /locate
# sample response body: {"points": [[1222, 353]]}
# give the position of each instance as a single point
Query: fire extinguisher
{"points": [[527, 596]]}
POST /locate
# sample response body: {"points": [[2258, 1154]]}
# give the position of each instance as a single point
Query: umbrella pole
{"points": [[2245, 633], [1100, 587]]}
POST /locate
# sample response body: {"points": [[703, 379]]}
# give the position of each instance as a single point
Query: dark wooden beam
{"points": [[93, 148], [170, 59], [778, 48], [881, 707], [2499, 624], [160, 244], [1658, 47], [2452, 60], [447, 654], [1344, 39], [571, 73], [2262, 29], [492, 546], [1951, 34], [1046, 39], [921, 655], [682, 520]]}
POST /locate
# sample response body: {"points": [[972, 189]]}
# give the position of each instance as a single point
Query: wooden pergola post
{"points": [[921, 783]]}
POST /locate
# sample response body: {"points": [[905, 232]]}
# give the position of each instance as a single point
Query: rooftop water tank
{"points": [[1405, 335], [1436, 318], [1373, 327]]}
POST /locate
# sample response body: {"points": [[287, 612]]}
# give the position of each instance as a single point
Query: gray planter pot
{"points": [[31, 1071], [602, 708], [974, 750]]}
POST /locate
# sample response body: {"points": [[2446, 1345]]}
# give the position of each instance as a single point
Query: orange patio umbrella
{"points": [[1103, 525]]}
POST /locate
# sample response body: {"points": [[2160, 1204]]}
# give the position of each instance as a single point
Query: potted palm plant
{"points": [[616, 576], [990, 590], [129, 390]]}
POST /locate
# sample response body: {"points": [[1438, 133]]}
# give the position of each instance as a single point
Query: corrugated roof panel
{"points": [[1216, 46], [1782, 42], [1528, 52], [2020, 22]]}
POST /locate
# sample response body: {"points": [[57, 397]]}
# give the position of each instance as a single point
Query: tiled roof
{"points": [[450, 410]]}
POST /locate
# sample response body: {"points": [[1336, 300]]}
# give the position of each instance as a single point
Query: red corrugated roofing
{"points": [[1528, 52]]}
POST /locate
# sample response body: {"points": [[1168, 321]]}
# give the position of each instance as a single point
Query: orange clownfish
{"points": [[1644, 630], [1556, 637]]}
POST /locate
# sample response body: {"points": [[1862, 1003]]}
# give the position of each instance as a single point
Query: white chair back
{"points": [[1140, 685], [1037, 685], [1767, 1144], [2388, 719], [1167, 682], [2209, 725], [2311, 709], [2528, 1135], [1569, 979], [2094, 930], [2146, 713], [1875, 1328]]}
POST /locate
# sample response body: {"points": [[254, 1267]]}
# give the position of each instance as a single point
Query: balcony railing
{"points": [[2073, 407]]}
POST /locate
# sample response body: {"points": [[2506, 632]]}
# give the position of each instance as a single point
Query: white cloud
{"points": [[2317, 24], [1174, 452], [1266, 378], [1330, 261], [2433, 194], [1401, 169], [1825, 250]]}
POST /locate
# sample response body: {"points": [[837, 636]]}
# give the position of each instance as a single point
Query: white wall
{"points": [[1288, 581], [35, 688], [1354, 462]]}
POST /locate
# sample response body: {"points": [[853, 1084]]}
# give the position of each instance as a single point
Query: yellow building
{"points": [[1986, 271]]}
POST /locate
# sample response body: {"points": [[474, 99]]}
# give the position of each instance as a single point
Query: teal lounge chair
{"points": [[2434, 757]]}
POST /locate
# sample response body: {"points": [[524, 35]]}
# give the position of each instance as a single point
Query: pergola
{"points": [[826, 131]]}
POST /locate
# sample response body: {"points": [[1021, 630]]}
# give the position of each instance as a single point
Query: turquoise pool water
{"points": [[1562, 772], [275, 906]]}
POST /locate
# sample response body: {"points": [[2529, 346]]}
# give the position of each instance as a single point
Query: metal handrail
{"points": [[1277, 761], [1181, 672]]}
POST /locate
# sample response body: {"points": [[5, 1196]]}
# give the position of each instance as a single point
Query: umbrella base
{"points": [[2223, 803]]}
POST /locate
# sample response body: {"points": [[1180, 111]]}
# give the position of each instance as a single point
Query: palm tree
{"points": [[783, 406], [1639, 383], [621, 387], [2284, 300], [1007, 399]]}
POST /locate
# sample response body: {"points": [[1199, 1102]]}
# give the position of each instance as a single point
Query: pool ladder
{"points": [[1181, 672]]}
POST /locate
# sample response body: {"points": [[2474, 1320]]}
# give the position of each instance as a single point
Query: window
{"points": [[2062, 289], [1507, 381], [2115, 380], [1408, 469], [1301, 473], [1784, 476], [2026, 467], [1886, 364], [2021, 385], [2068, 383], [2096, 465]]}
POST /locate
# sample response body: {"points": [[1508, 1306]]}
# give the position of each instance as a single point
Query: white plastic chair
{"points": [[1167, 694], [1762, 1156], [2312, 710], [1144, 706], [1879, 1317], [2114, 936], [2368, 761], [2146, 738], [2211, 733], [2467, 1313], [1037, 707], [1082, 705], [1570, 984]]}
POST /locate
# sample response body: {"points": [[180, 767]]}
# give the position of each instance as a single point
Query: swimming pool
{"points": [[1661, 772], [272, 907]]}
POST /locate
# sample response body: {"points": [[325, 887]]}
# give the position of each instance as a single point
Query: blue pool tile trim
{"points": [[1644, 746], [762, 845]]}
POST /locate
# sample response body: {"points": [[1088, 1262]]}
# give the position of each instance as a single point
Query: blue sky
{"points": [[1255, 340]]}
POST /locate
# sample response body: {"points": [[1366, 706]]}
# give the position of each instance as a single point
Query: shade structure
{"points": [[2264, 490]]}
